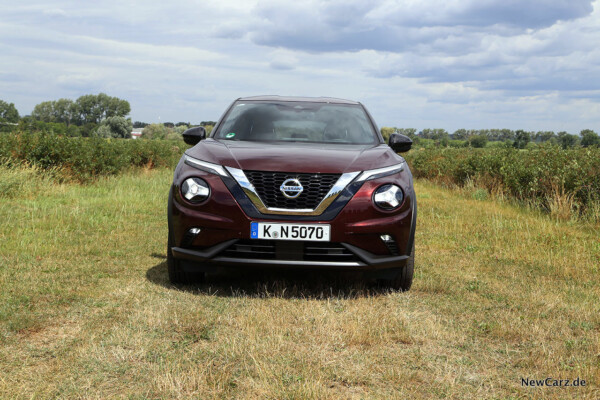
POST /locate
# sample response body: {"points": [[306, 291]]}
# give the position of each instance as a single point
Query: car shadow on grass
{"points": [[279, 283]]}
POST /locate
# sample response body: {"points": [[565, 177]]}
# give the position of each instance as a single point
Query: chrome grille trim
{"points": [[252, 194]]}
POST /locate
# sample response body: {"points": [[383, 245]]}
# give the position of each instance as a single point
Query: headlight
{"points": [[388, 197], [380, 172], [205, 166], [195, 190]]}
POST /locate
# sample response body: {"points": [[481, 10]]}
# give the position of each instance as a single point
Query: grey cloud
{"points": [[522, 14], [281, 65], [395, 25]]}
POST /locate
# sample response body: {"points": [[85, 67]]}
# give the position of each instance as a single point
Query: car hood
{"points": [[294, 157]]}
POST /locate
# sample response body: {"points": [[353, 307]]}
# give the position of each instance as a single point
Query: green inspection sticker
{"points": [[230, 135]]}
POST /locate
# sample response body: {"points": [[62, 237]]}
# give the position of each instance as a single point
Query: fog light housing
{"points": [[195, 190], [390, 243], [388, 197], [387, 238], [189, 237]]}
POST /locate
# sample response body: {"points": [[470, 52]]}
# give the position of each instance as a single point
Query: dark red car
{"points": [[293, 182]]}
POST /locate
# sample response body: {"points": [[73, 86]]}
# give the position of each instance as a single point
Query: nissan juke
{"points": [[293, 182]]}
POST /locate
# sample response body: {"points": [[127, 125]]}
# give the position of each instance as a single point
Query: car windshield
{"points": [[297, 122]]}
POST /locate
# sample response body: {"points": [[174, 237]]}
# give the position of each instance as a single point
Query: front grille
{"points": [[267, 185], [289, 250]]}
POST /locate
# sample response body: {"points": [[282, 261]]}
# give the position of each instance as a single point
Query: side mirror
{"points": [[194, 135], [400, 143]]}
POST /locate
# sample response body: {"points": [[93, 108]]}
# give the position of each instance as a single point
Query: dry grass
{"points": [[561, 204], [86, 311]]}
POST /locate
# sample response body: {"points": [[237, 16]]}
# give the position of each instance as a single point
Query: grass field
{"points": [[86, 311]]}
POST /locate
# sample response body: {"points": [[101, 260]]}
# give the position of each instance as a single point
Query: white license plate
{"points": [[278, 231]]}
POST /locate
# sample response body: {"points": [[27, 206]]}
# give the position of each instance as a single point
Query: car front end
{"points": [[290, 203]]}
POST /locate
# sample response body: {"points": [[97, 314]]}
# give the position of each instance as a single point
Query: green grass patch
{"points": [[86, 310]]}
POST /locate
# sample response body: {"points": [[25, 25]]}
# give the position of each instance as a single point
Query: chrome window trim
{"points": [[240, 177], [205, 166], [380, 172]]}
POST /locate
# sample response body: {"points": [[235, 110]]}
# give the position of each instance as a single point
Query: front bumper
{"points": [[356, 230], [219, 255]]}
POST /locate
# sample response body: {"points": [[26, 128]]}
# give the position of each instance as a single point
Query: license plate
{"points": [[278, 231]]}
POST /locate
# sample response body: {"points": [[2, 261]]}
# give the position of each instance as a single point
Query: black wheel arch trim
{"points": [[170, 210], [413, 223]]}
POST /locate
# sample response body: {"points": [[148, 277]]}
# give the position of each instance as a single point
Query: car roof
{"points": [[299, 99]]}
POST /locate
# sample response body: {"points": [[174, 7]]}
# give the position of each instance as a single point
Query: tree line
{"points": [[140, 124], [169, 130], [502, 137], [87, 109], [106, 116], [89, 115]]}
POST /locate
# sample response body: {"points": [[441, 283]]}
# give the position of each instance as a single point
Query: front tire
{"points": [[404, 277]]}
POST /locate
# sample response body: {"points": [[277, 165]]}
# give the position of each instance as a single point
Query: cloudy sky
{"points": [[531, 64]]}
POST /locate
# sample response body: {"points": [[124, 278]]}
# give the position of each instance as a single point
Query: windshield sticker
{"points": [[230, 135]]}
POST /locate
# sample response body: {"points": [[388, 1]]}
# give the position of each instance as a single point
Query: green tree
{"points": [[566, 140], [386, 132], [94, 108], [495, 135], [65, 110], [478, 141], [522, 138], [44, 111], [61, 110], [179, 129], [115, 127], [435, 134], [410, 132], [589, 138], [87, 109], [155, 131], [506, 134], [8, 112], [544, 136], [460, 134]]}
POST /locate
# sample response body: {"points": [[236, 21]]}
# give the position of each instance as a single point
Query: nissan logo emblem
{"points": [[291, 188]]}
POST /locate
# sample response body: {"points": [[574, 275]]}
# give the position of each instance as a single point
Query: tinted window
{"points": [[297, 121]]}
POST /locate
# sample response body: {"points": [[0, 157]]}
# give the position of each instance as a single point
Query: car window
{"points": [[297, 122]]}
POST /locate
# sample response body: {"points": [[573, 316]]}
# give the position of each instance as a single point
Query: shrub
{"points": [[155, 131], [115, 127], [534, 175], [589, 138], [84, 159], [478, 141]]}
